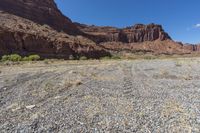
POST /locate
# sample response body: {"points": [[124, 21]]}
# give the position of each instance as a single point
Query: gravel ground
{"points": [[143, 96]]}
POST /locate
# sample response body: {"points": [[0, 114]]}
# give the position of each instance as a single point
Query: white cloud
{"points": [[197, 25]]}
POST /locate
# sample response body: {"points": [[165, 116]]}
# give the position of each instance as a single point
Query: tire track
{"points": [[129, 89]]}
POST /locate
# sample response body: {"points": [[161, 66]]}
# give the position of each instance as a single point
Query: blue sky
{"points": [[180, 18]]}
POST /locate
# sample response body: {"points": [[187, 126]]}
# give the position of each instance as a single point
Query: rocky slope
{"points": [[19, 35]]}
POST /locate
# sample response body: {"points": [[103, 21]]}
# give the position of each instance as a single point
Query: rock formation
{"points": [[19, 35], [136, 33], [44, 12], [192, 47], [37, 26]]}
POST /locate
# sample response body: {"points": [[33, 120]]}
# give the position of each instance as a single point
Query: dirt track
{"points": [[107, 96]]}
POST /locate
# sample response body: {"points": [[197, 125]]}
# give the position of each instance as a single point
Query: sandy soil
{"points": [[101, 96]]}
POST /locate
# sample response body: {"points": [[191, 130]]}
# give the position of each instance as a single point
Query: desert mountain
{"points": [[35, 26]]}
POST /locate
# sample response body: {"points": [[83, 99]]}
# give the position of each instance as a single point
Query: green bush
{"points": [[83, 58], [46, 61], [15, 57], [5, 58], [12, 57], [32, 58], [25, 59]]}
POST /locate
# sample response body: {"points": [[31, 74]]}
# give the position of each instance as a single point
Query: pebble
{"points": [[30, 106]]}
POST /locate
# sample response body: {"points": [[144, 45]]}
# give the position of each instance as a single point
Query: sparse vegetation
{"points": [[17, 58], [114, 57], [33, 58], [164, 72], [12, 57], [90, 85], [77, 83], [73, 83], [5, 58], [187, 77], [46, 61]]}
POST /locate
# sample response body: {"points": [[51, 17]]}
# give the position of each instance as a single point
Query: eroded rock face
{"points": [[136, 33], [192, 47], [40, 11], [154, 47], [33, 26], [19, 35]]}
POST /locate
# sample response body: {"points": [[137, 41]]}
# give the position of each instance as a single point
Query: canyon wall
{"points": [[44, 12]]}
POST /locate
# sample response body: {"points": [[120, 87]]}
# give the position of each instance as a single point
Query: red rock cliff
{"points": [[24, 30], [40, 11], [136, 33]]}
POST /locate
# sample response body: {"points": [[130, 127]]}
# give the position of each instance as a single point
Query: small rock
{"points": [[72, 72], [57, 97], [15, 109], [30, 106]]}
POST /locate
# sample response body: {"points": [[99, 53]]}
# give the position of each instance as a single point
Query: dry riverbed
{"points": [[157, 96]]}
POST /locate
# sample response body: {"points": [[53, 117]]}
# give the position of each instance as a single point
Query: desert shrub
{"points": [[114, 57], [83, 58], [46, 61], [32, 58], [15, 57], [25, 59], [12, 57], [5, 58]]}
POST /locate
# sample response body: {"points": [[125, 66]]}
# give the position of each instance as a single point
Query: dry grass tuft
{"points": [[73, 83]]}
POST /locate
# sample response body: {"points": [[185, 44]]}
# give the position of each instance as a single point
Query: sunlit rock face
{"points": [[40, 11], [136, 33]]}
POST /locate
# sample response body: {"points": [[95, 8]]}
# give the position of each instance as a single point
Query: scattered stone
{"points": [[134, 102], [30, 107]]}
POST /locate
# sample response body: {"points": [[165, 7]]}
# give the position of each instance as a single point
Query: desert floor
{"points": [[161, 95]]}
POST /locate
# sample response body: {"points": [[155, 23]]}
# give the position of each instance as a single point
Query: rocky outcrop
{"points": [[137, 33], [19, 35], [153, 47], [192, 47], [34, 26], [44, 12]]}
